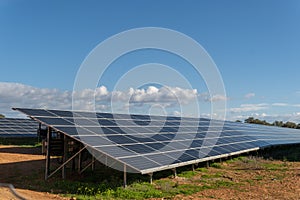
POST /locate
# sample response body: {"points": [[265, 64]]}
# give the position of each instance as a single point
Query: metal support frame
{"points": [[151, 178], [88, 165], [47, 169], [65, 156], [207, 164], [93, 163], [79, 160], [39, 134], [125, 177], [63, 165], [175, 172]]}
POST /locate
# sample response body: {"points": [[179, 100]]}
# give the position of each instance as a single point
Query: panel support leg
{"points": [[39, 132], [175, 173], [70, 159], [47, 169], [93, 163], [125, 177], [151, 178], [65, 156], [79, 161]]}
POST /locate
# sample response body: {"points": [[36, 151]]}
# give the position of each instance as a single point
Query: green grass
{"points": [[202, 169], [239, 158], [160, 189], [216, 165], [111, 188], [107, 183], [212, 176], [274, 166], [187, 174]]}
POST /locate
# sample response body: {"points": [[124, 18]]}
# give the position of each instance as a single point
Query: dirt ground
{"points": [[21, 161], [250, 182]]}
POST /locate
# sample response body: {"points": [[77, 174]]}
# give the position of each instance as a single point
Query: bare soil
{"points": [[258, 179], [16, 162]]}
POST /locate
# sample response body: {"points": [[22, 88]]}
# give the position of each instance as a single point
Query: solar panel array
{"points": [[147, 144], [12, 127]]}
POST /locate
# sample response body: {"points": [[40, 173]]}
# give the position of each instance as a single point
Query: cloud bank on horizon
{"points": [[20, 95], [169, 98]]}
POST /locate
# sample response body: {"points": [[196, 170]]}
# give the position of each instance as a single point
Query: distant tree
{"points": [[238, 121], [290, 125], [287, 124], [250, 120], [2, 116], [278, 123]]}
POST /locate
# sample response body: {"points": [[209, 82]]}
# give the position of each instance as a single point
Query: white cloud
{"points": [[212, 98], [249, 95], [280, 104], [249, 108], [20, 95], [167, 95], [218, 97], [286, 105]]}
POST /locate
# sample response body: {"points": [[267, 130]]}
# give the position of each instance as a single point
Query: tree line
{"points": [[288, 124]]}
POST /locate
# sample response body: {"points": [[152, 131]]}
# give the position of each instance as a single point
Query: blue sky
{"points": [[255, 45]]}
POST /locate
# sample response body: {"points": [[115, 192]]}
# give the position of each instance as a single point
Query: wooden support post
{"points": [[47, 170], [175, 173], [151, 178], [65, 156], [125, 177]]}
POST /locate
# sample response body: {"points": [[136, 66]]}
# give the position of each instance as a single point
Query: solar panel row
{"points": [[152, 143], [12, 127]]}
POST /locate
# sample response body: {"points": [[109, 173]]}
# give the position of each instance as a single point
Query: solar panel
{"points": [[12, 127], [152, 143]]}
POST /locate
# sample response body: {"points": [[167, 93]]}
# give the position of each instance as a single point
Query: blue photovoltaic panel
{"points": [[12, 127], [153, 143]]}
